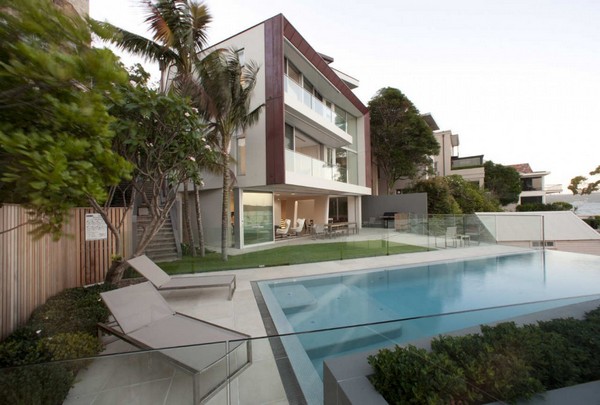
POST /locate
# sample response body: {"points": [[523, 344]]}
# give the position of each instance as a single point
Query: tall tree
{"points": [[580, 185], [178, 30], [164, 139], [503, 181], [179, 34], [227, 87], [55, 135], [401, 140]]}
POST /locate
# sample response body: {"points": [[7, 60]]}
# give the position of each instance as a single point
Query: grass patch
{"points": [[286, 255]]}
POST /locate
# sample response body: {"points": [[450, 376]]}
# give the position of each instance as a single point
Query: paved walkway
{"points": [[113, 381]]}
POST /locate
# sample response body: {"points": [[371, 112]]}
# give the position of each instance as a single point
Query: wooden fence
{"points": [[31, 271]]}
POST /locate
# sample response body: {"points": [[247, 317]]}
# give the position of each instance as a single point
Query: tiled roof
{"points": [[522, 168]]}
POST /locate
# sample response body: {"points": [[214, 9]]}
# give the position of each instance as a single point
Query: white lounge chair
{"points": [[281, 232], [162, 281], [299, 226], [210, 353]]}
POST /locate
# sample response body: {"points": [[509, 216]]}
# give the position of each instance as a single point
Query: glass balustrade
{"points": [[293, 89], [302, 164]]}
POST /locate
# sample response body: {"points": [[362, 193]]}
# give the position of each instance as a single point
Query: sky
{"points": [[517, 80]]}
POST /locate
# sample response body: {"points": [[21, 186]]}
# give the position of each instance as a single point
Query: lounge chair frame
{"points": [[229, 351], [162, 281]]}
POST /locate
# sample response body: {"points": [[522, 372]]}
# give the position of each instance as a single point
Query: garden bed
{"points": [[347, 379]]}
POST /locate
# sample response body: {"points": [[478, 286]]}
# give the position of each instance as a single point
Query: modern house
{"points": [[309, 154], [532, 184]]}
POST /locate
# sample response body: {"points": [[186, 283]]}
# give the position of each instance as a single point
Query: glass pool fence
{"points": [[278, 372]]}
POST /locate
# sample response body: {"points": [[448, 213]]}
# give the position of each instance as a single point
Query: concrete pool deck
{"points": [[261, 382]]}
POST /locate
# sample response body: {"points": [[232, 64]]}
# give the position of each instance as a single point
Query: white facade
{"points": [[308, 155]]}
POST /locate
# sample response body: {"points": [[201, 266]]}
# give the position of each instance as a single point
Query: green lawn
{"points": [[285, 255]]}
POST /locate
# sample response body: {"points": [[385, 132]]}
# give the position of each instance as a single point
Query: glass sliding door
{"points": [[258, 218]]}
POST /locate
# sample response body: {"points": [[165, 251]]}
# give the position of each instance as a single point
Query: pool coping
{"points": [[345, 378]]}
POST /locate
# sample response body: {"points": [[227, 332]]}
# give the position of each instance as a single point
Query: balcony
{"points": [[302, 164], [466, 162], [303, 105]]}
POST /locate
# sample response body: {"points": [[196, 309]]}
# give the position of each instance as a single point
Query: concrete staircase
{"points": [[163, 248]]}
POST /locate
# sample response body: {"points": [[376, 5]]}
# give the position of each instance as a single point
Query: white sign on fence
{"points": [[95, 227]]}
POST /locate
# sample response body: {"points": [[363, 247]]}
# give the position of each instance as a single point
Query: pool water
{"points": [[542, 280]]}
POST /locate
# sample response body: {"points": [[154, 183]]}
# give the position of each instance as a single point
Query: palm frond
{"points": [[134, 43]]}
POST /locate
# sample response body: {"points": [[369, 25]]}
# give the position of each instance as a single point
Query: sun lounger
{"points": [[211, 354], [162, 281]]}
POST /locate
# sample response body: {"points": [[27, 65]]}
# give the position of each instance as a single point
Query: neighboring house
{"points": [[447, 162], [309, 154], [533, 189], [557, 230]]}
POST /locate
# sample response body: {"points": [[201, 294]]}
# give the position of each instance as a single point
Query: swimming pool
{"points": [[424, 293]]}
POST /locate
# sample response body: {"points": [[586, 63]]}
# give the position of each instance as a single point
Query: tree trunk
{"points": [[187, 220], [225, 211], [201, 245], [115, 272]]}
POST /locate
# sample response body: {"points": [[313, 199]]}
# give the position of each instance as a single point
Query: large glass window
{"points": [[258, 218], [338, 209]]}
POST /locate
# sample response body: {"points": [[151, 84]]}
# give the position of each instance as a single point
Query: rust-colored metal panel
{"points": [[300, 43], [367, 129], [274, 105]]}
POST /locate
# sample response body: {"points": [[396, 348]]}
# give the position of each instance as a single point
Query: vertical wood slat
{"points": [[31, 271]]}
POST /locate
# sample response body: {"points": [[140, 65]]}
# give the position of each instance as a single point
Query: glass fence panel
{"points": [[313, 366], [318, 364]]}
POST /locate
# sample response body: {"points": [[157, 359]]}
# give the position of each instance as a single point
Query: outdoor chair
{"points": [[281, 232], [299, 228], [451, 238], [210, 353], [318, 231], [162, 281]]}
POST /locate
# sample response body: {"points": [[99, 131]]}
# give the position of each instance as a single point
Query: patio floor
{"points": [[115, 380]]}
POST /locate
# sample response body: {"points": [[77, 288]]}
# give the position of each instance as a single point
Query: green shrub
{"points": [[63, 328], [555, 206], [68, 346], [47, 383], [504, 361], [73, 310], [594, 222], [415, 376]]}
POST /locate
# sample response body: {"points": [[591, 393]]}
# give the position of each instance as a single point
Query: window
{"points": [[258, 218], [293, 73], [289, 137], [338, 209]]}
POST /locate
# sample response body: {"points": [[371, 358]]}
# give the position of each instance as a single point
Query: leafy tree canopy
{"points": [[401, 140], [580, 185], [55, 136], [503, 181], [454, 195]]}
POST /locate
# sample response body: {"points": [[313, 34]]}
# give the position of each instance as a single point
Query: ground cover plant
{"points": [[286, 255], [504, 362], [35, 366]]}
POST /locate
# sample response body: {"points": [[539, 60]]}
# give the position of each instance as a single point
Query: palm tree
{"points": [[179, 29], [227, 87]]}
